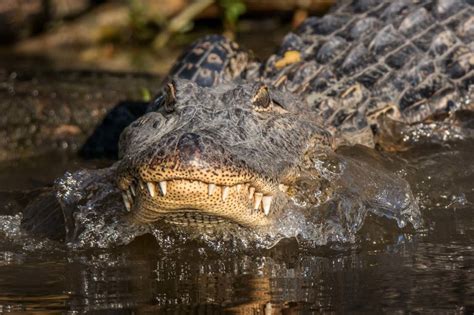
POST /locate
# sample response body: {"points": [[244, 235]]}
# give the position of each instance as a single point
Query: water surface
{"points": [[386, 268]]}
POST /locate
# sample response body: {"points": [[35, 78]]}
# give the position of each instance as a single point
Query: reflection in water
{"points": [[385, 269], [144, 278]]}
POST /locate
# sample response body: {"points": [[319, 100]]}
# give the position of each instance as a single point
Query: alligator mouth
{"points": [[198, 197]]}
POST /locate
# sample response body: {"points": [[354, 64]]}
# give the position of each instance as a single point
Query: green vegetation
{"points": [[148, 26], [146, 94], [232, 10]]}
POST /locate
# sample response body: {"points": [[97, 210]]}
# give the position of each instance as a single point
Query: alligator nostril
{"points": [[190, 146]]}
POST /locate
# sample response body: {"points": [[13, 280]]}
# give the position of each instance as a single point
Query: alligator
{"points": [[228, 137]]}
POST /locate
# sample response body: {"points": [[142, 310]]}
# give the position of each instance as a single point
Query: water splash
{"points": [[329, 204], [13, 237], [336, 195], [94, 214]]}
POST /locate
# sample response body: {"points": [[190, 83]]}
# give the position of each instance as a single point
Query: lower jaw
{"points": [[189, 218], [197, 215]]}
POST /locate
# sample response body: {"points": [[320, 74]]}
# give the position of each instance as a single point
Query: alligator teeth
{"points": [[127, 204], [267, 201], [258, 200], [251, 191], [129, 195], [211, 188], [132, 190], [162, 185], [151, 189], [225, 192], [239, 186]]}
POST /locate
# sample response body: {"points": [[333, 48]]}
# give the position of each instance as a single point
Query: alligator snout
{"points": [[188, 179]]}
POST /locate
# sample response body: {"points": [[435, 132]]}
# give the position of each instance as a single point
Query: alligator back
{"points": [[210, 61], [407, 59]]}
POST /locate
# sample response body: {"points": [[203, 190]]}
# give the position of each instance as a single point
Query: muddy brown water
{"points": [[396, 270]]}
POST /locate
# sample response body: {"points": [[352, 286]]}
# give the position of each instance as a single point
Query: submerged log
{"points": [[43, 111]]}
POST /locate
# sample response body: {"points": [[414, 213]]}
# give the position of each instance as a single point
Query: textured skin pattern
{"points": [[210, 61], [222, 145], [225, 142], [223, 136], [407, 58]]}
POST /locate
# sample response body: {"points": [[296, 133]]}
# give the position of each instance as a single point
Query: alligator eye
{"points": [[261, 99], [169, 99]]}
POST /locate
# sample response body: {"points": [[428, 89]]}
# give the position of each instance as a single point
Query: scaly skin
{"points": [[207, 169], [231, 143], [404, 60]]}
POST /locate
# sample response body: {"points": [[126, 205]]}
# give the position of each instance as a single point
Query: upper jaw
{"points": [[246, 200]]}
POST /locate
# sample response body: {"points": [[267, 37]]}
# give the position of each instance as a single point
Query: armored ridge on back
{"points": [[228, 138], [406, 59]]}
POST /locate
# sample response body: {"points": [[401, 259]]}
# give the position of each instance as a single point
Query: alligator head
{"points": [[207, 155]]}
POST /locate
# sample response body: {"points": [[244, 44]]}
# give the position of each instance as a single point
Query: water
{"points": [[365, 249], [392, 264], [333, 196]]}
